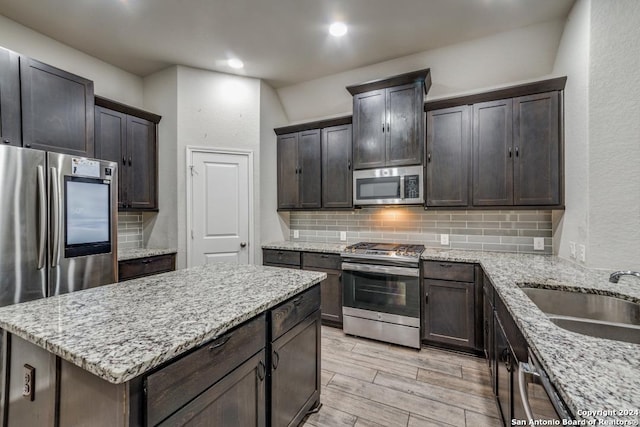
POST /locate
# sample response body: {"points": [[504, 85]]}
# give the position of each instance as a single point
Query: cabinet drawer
{"points": [[275, 256], [315, 260], [459, 272], [291, 312], [176, 384], [133, 268]]}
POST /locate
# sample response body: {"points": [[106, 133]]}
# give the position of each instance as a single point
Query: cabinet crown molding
{"points": [[126, 109], [401, 79]]}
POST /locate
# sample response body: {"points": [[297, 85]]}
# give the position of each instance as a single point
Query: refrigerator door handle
{"points": [[42, 216], [57, 207]]}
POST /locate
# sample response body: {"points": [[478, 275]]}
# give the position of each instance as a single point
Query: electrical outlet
{"points": [[572, 250], [444, 239], [28, 388], [582, 253], [538, 243], [296, 234], [343, 236]]}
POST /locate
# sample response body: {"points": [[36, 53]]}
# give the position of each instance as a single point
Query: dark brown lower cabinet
{"points": [[452, 306], [295, 372], [147, 266], [331, 287], [450, 312], [237, 399]]}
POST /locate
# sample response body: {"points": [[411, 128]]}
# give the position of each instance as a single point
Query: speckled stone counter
{"points": [[120, 331], [126, 254], [327, 248], [589, 373]]}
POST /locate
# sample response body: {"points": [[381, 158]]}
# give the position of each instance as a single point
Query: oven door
{"points": [[382, 289]]}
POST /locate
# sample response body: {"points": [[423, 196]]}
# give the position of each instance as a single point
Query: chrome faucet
{"points": [[616, 276]]}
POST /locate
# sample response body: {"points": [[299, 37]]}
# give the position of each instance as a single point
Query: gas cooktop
{"points": [[398, 251]]}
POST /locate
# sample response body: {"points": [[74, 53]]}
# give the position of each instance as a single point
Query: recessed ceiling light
{"points": [[235, 63], [338, 29]]}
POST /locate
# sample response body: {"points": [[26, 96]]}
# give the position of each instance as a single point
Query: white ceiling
{"points": [[281, 41]]}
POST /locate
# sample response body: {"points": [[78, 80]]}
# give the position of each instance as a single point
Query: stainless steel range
{"points": [[381, 292]]}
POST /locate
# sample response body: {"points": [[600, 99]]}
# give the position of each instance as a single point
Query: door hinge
{"points": [[193, 170]]}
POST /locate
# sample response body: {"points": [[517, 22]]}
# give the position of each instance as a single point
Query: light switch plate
{"points": [[444, 239], [572, 249], [343, 236], [538, 243], [296, 234], [582, 253]]}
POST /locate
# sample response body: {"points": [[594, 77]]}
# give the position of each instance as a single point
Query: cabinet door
{"points": [[493, 153], [238, 399], [448, 153], [57, 109], [288, 171], [295, 372], [10, 127], [330, 296], [309, 169], [536, 141], [337, 177], [369, 130], [142, 163], [111, 144], [450, 310], [488, 330], [405, 128]]}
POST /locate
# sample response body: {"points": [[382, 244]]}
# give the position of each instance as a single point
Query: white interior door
{"points": [[219, 205]]}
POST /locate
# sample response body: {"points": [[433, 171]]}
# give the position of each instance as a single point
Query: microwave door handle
{"points": [[402, 187], [525, 371], [55, 195], [42, 218]]}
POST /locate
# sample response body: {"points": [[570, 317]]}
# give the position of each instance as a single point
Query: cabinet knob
{"points": [[129, 161], [509, 152], [124, 160], [349, 164], [517, 152], [6, 140], [383, 127], [428, 157], [275, 360]]}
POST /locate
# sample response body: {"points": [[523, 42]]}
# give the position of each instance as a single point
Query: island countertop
{"points": [[120, 331]]}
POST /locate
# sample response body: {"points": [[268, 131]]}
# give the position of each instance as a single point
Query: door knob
{"points": [[243, 244]]}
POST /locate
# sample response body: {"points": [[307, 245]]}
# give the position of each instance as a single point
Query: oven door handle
{"points": [[382, 269]]}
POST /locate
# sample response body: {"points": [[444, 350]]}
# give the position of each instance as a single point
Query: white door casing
{"points": [[219, 206]]}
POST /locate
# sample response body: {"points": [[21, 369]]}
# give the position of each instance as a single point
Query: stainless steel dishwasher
{"points": [[535, 398]]}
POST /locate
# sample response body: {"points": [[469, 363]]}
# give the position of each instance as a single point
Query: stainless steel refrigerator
{"points": [[58, 229]]}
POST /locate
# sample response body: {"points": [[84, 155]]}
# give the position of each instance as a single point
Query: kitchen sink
{"points": [[590, 314], [608, 330]]}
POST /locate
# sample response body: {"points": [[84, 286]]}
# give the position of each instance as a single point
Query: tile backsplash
{"points": [[500, 230], [129, 230]]}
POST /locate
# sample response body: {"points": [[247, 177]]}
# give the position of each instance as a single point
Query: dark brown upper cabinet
{"points": [[538, 153], [448, 156], [493, 153], [314, 165], [337, 176], [128, 136], [517, 156], [10, 126], [299, 170], [57, 109], [517, 151], [388, 120]]}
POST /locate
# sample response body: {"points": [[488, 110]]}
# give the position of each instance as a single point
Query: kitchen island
{"points": [[107, 354]]}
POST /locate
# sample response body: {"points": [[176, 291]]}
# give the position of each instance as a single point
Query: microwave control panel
{"points": [[412, 187]]}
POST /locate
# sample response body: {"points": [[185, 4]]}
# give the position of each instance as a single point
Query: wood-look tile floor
{"points": [[369, 383]]}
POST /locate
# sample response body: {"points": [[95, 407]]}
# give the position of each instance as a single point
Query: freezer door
{"points": [[83, 223], [23, 225]]}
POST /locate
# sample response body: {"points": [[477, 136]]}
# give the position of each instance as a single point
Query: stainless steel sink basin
{"points": [[590, 314], [608, 330]]}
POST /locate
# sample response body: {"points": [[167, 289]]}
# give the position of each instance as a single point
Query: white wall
{"points": [[275, 225], [614, 135], [109, 81], [572, 60], [215, 110], [504, 58], [161, 97]]}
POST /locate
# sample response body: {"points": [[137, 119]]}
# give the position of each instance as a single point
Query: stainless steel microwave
{"points": [[388, 186]]}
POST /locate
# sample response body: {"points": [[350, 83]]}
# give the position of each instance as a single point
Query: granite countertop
{"points": [[327, 248], [127, 254], [589, 373], [122, 330]]}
